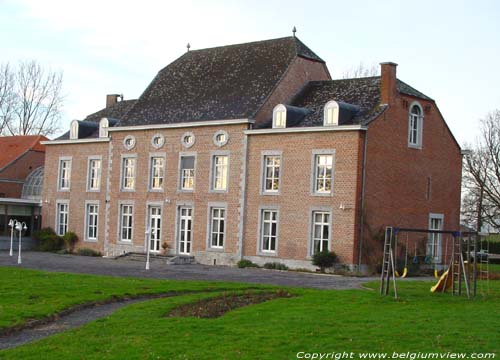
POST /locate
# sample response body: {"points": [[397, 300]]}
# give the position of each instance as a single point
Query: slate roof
{"points": [[116, 111], [13, 147], [227, 82]]}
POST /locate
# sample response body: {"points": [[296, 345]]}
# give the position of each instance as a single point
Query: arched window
{"points": [[103, 127], [331, 114], [73, 130], [32, 188], [415, 125], [279, 116]]}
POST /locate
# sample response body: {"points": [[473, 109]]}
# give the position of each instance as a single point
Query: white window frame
{"points": [[261, 250], [435, 241], [73, 130], [149, 235], [67, 171], [220, 143], [181, 176], [121, 226], [161, 141], [90, 173], [179, 229], [210, 230], [123, 174], [264, 157], [331, 114], [316, 154], [279, 116], [87, 221], [153, 156], [214, 171], [103, 128], [58, 224], [419, 120], [322, 223]]}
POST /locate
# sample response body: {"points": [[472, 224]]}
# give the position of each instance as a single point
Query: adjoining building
{"points": [[253, 151], [21, 183]]}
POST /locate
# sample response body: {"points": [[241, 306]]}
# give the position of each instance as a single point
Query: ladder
{"points": [[457, 269], [388, 268], [484, 266]]}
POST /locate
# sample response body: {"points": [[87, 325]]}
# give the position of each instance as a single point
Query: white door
{"points": [[154, 228], [185, 230]]}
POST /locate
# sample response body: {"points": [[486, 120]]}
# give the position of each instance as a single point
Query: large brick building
{"points": [[252, 151]]}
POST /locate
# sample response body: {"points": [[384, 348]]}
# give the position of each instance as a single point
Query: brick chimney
{"points": [[388, 89], [112, 99]]}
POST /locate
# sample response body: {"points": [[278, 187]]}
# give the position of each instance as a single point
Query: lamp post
{"points": [[147, 248], [20, 226], [12, 224]]}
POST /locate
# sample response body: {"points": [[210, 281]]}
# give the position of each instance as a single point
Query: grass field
{"points": [[313, 320]]}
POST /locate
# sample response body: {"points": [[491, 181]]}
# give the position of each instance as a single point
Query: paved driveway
{"points": [[159, 270]]}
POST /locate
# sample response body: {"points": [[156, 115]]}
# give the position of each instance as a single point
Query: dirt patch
{"points": [[218, 306]]}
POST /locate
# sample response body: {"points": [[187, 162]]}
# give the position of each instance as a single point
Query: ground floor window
{"points": [[126, 224], [434, 249], [269, 230], [217, 227], [92, 217], [62, 218], [185, 232], [321, 231]]}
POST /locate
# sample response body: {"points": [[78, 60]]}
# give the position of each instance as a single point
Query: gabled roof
{"points": [[227, 82], [13, 147]]}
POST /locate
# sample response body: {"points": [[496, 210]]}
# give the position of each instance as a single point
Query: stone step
{"points": [[142, 257]]}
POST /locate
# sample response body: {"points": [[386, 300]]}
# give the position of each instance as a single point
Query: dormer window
{"points": [[73, 130], [331, 114], [279, 116], [103, 128], [415, 125]]}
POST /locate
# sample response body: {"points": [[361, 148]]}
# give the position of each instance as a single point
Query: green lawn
{"points": [[313, 320]]}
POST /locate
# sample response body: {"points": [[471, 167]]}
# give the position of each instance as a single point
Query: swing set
{"points": [[453, 262]]}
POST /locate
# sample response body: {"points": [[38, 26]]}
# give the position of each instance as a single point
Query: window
{"points": [[415, 123], [434, 248], [128, 173], [269, 230], [185, 229], [187, 172], [217, 227], [64, 174], [320, 231], [157, 141], [73, 130], [129, 142], [331, 114], [126, 224], [91, 220], [220, 172], [221, 138], [94, 175], [103, 127], [62, 218], [272, 164], [323, 173], [188, 139], [279, 116], [157, 168]]}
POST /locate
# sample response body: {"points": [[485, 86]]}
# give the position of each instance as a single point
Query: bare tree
{"points": [[361, 71], [481, 201], [32, 99]]}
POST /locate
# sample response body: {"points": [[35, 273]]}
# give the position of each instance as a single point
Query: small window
{"points": [[64, 174], [157, 172], [415, 125], [157, 141], [128, 173], [321, 231], [279, 116], [188, 139], [217, 227], [62, 218], [129, 142], [126, 222], [323, 173], [103, 128], [221, 138], [91, 220], [187, 172], [220, 172], [331, 114], [269, 230], [73, 130], [272, 167]]}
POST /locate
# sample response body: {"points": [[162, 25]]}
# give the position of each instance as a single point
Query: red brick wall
{"points": [[19, 170]]}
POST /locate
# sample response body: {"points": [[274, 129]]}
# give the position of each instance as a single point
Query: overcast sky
{"points": [[449, 50]]}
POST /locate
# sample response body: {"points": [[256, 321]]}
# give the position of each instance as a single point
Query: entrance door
{"points": [[185, 229], [154, 228]]}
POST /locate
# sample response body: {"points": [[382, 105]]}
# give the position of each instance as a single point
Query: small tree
{"points": [[70, 239], [324, 259]]}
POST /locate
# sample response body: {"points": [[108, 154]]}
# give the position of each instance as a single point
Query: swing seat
{"points": [[403, 275], [436, 273]]}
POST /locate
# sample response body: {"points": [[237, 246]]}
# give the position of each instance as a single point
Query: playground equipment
{"points": [[460, 271]]}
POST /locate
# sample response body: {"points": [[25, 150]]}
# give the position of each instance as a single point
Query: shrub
{"points": [[246, 263], [70, 239], [324, 259], [275, 266], [48, 240], [87, 252]]}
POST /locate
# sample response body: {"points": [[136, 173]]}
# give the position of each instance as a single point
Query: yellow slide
{"points": [[444, 282]]}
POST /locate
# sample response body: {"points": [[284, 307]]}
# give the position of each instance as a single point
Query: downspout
{"points": [[107, 198], [243, 187], [362, 218]]}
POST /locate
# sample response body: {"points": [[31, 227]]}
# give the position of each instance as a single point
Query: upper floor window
{"points": [[415, 124], [64, 174], [94, 174], [187, 172], [129, 142], [73, 130], [221, 138], [188, 139], [331, 114], [219, 171], [128, 173], [323, 173], [103, 127], [157, 172], [157, 141], [272, 167], [279, 116]]}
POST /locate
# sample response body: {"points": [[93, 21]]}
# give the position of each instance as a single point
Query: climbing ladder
{"points": [[457, 269], [388, 267], [484, 266]]}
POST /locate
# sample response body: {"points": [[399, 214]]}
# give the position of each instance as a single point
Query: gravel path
{"points": [[159, 270]]}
